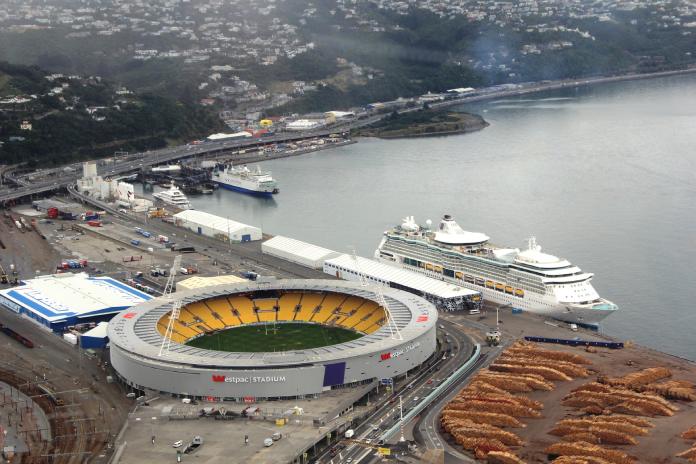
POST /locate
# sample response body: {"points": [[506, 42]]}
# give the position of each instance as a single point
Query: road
{"points": [[456, 348], [59, 178], [249, 252]]}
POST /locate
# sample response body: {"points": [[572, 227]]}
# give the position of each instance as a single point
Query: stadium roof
{"points": [[136, 331], [59, 297], [385, 272]]}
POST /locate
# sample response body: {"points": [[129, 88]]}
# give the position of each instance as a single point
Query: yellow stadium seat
{"points": [[245, 308], [223, 308], [179, 328], [332, 301], [266, 307], [309, 303], [363, 311], [287, 304], [202, 315], [209, 317], [374, 322], [186, 317], [372, 318]]}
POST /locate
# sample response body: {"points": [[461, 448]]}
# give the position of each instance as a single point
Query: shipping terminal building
{"points": [[445, 296]]}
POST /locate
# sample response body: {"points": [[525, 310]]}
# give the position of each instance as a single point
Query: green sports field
{"points": [[269, 337]]}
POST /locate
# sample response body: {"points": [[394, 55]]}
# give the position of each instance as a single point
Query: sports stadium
{"points": [[274, 339]]}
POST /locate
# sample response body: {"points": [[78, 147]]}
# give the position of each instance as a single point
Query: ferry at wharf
{"points": [[244, 180]]}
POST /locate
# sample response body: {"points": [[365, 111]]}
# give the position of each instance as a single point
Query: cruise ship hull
{"points": [[586, 316], [237, 188]]}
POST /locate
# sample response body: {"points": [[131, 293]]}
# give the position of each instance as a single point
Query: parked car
{"points": [[177, 444]]}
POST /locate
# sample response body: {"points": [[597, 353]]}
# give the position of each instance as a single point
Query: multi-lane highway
{"points": [[54, 179], [128, 163], [456, 347]]}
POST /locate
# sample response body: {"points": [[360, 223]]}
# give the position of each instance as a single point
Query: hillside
{"points": [[50, 118], [279, 57]]}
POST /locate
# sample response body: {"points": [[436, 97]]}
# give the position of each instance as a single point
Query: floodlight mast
{"points": [[176, 306], [377, 287]]}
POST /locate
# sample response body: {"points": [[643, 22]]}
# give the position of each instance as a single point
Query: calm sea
{"points": [[604, 176]]}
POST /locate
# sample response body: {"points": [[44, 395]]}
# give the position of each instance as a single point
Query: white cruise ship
{"points": [[173, 196], [242, 179], [530, 280]]}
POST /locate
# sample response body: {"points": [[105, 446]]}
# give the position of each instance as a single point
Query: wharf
{"points": [[659, 445]]}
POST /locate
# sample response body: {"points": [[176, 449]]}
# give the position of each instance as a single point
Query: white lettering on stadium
{"points": [[254, 379]]}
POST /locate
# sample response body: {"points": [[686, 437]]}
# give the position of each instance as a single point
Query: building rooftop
{"points": [[60, 297], [385, 272], [200, 282]]}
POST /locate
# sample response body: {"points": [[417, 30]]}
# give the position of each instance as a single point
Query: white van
{"points": [[268, 442]]}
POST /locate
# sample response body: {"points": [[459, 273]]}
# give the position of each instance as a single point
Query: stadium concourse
{"points": [[379, 346]]}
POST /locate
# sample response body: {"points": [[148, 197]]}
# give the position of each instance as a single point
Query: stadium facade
{"points": [[387, 348]]}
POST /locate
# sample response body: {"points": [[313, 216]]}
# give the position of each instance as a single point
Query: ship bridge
{"points": [[450, 233]]}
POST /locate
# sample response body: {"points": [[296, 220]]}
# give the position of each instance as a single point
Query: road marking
{"points": [[363, 456]]}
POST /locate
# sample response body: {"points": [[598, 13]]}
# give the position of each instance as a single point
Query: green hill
{"points": [[77, 117]]}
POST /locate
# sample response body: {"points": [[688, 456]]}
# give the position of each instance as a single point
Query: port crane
{"points": [[3, 276], [175, 305]]}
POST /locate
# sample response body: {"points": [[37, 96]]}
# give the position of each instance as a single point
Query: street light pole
{"points": [[401, 419]]}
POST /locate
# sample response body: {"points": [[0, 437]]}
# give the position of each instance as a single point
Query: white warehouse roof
{"points": [[68, 297], [372, 269], [100, 331], [297, 251], [212, 225]]}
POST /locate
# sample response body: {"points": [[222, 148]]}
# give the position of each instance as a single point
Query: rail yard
{"points": [[495, 399]]}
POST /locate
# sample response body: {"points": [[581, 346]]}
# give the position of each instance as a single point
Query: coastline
{"points": [[424, 123], [562, 84], [467, 130]]}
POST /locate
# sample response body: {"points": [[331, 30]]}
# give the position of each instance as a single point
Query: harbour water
{"points": [[604, 176]]}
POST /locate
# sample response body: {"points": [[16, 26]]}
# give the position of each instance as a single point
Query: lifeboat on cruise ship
{"points": [[428, 266], [519, 292], [500, 287], [479, 281], [438, 269], [490, 284], [508, 289], [459, 275], [470, 279]]}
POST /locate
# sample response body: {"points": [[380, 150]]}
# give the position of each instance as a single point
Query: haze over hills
{"points": [[242, 60], [57, 118]]}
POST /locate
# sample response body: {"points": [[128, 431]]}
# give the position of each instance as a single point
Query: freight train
{"points": [[20, 338]]}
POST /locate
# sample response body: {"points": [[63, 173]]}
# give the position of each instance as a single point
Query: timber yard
{"points": [[101, 296]]}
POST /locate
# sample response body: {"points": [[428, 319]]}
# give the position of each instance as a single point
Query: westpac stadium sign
{"points": [[397, 353], [250, 379]]}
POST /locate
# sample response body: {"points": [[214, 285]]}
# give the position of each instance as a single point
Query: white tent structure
{"points": [[297, 251], [217, 227]]}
